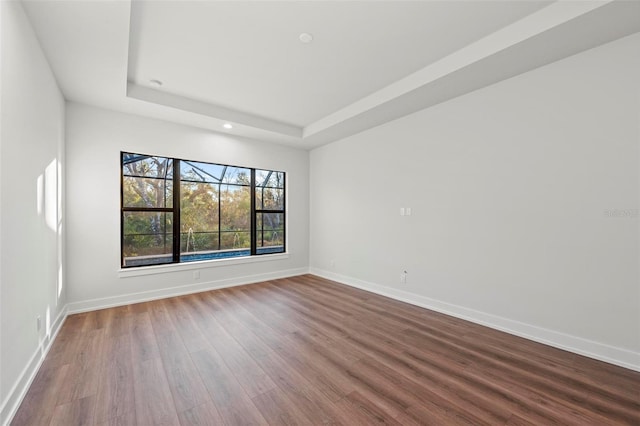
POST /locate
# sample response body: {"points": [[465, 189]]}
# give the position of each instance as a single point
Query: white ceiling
{"points": [[369, 62], [249, 58]]}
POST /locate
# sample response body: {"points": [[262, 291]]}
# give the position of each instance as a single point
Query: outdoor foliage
{"points": [[147, 183], [215, 207]]}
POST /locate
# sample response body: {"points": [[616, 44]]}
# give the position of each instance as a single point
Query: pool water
{"points": [[226, 254], [195, 257]]}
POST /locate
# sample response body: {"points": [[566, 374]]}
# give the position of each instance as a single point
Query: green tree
{"points": [[147, 184]]}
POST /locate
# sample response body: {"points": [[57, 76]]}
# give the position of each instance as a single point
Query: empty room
{"points": [[319, 212]]}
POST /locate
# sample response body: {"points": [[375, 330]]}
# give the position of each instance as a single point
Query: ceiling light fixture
{"points": [[306, 38], [227, 126], [155, 83]]}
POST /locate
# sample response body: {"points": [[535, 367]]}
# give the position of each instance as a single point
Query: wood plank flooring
{"points": [[307, 351]]}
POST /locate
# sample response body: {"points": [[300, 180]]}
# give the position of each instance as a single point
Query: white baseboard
{"points": [[21, 386], [126, 299], [600, 351]]}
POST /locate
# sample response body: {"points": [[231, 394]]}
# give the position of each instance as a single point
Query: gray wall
{"points": [[512, 190], [31, 177], [95, 138]]}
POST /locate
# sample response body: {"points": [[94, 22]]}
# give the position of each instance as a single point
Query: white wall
{"points": [[95, 138], [510, 188], [31, 159]]}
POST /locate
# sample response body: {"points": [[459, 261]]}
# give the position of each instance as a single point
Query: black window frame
{"points": [[176, 208]]}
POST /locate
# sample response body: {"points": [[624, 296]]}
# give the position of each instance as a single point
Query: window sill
{"points": [[203, 264]]}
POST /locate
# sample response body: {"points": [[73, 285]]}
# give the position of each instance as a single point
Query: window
{"points": [[177, 210]]}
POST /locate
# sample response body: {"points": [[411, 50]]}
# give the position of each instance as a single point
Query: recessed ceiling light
{"points": [[227, 126], [155, 83], [306, 38]]}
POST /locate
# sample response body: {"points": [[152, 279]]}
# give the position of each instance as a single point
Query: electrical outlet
{"points": [[403, 277], [333, 264], [38, 323], [196, 275]]}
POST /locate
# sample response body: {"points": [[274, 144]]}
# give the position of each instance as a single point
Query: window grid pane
{"points": [[213, 213], [147, 238]]}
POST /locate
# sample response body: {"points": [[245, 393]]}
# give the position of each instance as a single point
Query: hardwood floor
{"points": [[306, 351]]}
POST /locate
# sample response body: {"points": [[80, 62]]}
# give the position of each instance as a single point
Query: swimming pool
{"points": [[198, 256], [193, 257]]}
